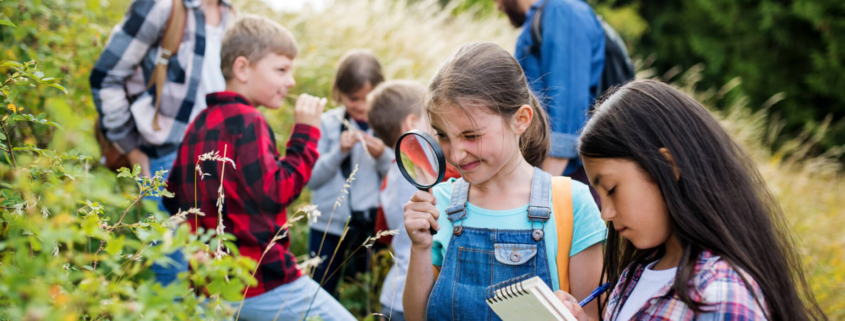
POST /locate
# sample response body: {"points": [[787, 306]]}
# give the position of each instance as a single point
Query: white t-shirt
{"points": [[650, 282], [212, 77]]}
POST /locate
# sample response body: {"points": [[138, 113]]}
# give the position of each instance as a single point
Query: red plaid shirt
{"points": [[716, 284], [256, 192]]}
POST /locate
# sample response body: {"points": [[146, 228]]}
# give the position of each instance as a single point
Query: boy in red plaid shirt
{"points": [[257, 60]]}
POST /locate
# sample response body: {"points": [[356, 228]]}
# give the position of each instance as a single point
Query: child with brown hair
{"points": [[347, 142], [257, 60], [395, 107], [500, 220]]}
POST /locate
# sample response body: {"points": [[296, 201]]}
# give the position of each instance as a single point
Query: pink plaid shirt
{"points": [[716, 284]]}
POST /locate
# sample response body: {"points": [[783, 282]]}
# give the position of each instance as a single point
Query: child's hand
{"points": [[347, 140], [572, 305], [420, 215], [308, 110], [374, 145]]}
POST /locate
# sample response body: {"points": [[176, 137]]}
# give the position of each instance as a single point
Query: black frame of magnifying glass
{"points": [[438, 153]]}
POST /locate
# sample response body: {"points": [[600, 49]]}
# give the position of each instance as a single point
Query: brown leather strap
{"points": [[563, 211], [174, 30]]}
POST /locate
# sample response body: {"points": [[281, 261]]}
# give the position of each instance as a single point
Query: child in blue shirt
{"points": [[495, 132]]}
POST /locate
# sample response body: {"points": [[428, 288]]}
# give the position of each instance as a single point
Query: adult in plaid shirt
{"points": [[120, 76], [694, 233], [258, 184]]}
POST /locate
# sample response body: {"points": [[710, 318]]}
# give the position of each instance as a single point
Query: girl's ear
{"points": [[522, 119], [668, 156], [240, 69]]}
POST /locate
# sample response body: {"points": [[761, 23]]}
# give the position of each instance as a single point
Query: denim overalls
{"points": [[477, 257]]}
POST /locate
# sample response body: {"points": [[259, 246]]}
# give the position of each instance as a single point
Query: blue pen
{"points": [[598, 291]]}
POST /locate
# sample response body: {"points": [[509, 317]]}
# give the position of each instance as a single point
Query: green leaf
{"points": [[2, 136], [59, 87], [233, 291], [54, 125], [5, 22], [124, 172], [90, 224], [11, 64], [115, 245], [12, 95]]}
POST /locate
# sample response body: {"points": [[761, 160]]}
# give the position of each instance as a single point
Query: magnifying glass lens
{"points": [[419, 160]]}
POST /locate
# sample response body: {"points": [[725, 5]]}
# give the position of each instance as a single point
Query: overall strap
{"points": [[538, 207], [457, 209]]}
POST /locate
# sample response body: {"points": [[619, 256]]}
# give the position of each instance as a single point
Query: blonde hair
{"points": [[390, 103], [253, 37], [484, 74]]}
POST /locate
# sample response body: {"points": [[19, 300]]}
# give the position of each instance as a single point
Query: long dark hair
{"points": [[720, 203]]}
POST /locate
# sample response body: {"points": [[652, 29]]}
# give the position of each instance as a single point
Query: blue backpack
{"points": [[618, 68]]}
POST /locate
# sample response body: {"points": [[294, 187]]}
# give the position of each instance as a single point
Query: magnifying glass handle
{"points": [[430, 229]]}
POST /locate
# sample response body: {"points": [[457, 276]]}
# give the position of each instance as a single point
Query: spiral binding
{"points": [[507, 290]]}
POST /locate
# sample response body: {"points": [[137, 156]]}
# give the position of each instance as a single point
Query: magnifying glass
{"points": [[420, 160]]}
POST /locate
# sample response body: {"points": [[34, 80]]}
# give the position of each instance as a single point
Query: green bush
{"points": [[792, 47], [76, 239]]}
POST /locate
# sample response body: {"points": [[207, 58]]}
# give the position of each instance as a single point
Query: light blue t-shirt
{"points": [[588, 227]]}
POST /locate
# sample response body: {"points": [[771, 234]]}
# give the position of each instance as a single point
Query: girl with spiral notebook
{"points": [[694, 232], [505, 217]]}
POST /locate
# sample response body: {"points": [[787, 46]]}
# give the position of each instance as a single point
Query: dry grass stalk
{"points": [[305, 211], [359, 134]]}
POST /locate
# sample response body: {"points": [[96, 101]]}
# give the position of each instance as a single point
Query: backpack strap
{"points": [[562, 189], [537, 29], [174, 30], [538, 207]]}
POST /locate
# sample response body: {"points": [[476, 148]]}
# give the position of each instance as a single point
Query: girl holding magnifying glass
{"points": [[495, 223]]}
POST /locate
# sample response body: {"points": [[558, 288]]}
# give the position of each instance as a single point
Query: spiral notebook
{"points": [[526, 298]]}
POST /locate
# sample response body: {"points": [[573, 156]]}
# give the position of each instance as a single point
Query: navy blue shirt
{"points": [[570, 62]]}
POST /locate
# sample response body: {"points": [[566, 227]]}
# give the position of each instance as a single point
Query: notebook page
{"points": [[537, 304], [547, 298]]}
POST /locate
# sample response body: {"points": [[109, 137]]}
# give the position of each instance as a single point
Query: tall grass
{"points": [[413, 38]]}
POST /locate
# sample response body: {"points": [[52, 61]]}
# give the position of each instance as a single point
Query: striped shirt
{"points": [[716, 284]]}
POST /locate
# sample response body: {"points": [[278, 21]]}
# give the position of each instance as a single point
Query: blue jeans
{"points": [[356, 263], [290, 301], [166, 273]]}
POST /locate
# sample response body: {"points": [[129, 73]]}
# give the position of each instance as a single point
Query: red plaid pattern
{"points": [[716, 284], [256, 192]]}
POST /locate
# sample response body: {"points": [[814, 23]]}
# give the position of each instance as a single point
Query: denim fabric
{"points": [[291, 301], [166, 273], [480, 257], [472, 265]]}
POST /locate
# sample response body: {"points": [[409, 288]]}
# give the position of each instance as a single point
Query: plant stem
{"points": [[102, 242], [9, 144]]}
